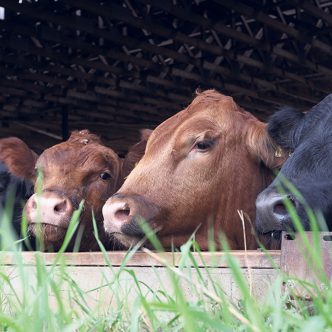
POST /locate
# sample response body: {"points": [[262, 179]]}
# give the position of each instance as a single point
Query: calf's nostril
{"points": [[34, 204], [61, 206]]}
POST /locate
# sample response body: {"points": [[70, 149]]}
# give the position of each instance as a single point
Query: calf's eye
{"points": [[105, 176], [203, 145]]}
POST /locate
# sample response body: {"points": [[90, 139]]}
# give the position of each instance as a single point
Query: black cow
{"points": [[308, 136], [17, 164]]}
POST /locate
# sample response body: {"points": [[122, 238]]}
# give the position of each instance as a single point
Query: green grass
{"points": [[44, 297]]}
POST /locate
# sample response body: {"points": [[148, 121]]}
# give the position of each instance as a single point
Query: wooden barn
{"points": [[116, 66]]}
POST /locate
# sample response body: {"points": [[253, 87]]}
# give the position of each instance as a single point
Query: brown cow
{"points": [[200, 166], [134, 154], [17, 164], [78, 169]]}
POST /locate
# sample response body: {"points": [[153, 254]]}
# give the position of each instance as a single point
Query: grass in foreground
{"points": [[45, 297]]}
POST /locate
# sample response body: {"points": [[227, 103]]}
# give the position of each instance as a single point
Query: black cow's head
{"points": [[309, 168]]}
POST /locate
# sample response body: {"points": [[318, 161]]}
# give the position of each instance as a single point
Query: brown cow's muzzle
{"points": [[123, 214], [48, 215]]}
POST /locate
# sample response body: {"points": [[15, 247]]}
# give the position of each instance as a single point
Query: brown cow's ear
{"points": [[145, 134], [262, 147]]}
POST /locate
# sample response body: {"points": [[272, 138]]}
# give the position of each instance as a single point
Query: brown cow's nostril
{"points": [[61, 207], [122, 214]]}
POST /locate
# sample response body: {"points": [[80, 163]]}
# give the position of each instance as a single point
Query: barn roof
{"points": [[119, 65]]}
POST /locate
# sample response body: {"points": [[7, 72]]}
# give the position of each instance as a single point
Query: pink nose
{"points": [[123, 213], [49, 208], [115, 215]]}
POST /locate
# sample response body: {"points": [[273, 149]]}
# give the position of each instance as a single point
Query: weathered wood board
{"points": [[93, 275], [307, 261], [96, 274]]}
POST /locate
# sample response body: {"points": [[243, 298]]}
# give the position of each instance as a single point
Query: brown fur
{"points": [[72, 170], [192, 190], [135, 153], [18, 157]]}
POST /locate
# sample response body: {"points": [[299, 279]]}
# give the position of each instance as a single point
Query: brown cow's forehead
{"points": [[219, 117], [71, 157]]}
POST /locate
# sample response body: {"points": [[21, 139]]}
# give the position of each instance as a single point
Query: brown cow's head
{"points": [[78, 169], [200, 167]]}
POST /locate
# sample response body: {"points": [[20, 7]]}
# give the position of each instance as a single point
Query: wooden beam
{"points": [[197, 78], [309, 7], [85, 25], [118, 82], [187, 15], [227, 73], [119, 13], [177, 56], [275, 24], [146, 101], [39, 131], [247, 259]]}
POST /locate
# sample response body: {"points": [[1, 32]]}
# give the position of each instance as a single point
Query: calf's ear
{"points": [[263, 148], [283, 127]]}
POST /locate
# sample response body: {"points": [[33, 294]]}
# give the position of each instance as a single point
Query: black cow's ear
{"points": [[284, 127]]}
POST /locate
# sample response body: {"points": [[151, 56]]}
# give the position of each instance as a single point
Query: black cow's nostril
{"points": [[280, 209]]}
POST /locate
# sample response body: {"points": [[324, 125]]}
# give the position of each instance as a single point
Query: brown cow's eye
{"points": [[203, 145], [105, 176]]}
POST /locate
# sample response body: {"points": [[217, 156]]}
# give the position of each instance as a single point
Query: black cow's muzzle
{"points": [[271, 212]]}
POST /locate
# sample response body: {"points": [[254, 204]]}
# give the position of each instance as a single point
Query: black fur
{"points": [[283, 125], [309, 168], [14, 191]]}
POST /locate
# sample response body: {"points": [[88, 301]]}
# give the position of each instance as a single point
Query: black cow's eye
{"points": [[203, 145], [105, 176]]}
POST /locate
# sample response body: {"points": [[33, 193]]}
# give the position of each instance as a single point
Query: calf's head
{"points": [[199, 167], [78, 169], [17, 164], [309, 138]]}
